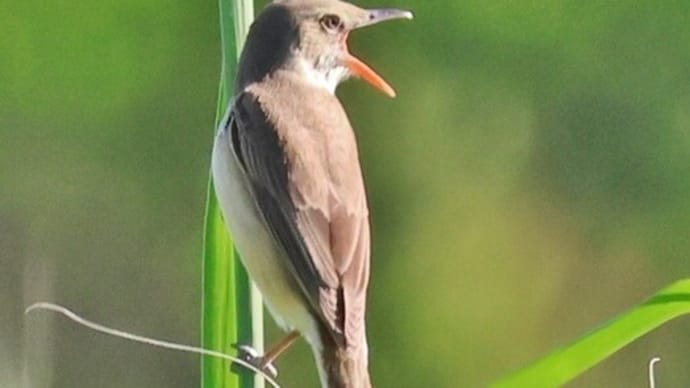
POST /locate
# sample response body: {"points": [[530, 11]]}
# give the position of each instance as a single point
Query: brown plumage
{"points": [[288, 179]]}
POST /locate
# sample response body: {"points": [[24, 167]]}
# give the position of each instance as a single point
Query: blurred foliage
{"points": [[568, 362], [529, 182]]}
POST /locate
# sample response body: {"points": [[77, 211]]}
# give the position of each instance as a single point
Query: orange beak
{"points": [[361, 69]]}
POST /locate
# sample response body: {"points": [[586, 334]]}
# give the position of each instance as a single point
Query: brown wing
{"points": [[256, 143], [315, 211]]}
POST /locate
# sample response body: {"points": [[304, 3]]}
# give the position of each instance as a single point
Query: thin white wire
{"points": [[652, 380], [150, 341]]}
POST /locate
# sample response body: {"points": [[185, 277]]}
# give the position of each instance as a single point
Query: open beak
{"points": [[361, 69]]}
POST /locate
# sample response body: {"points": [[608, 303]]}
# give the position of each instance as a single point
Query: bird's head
{"points": [[310, 37]]}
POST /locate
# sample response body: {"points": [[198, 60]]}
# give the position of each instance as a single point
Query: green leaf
{"points": [[570, 361], [231, 309]]}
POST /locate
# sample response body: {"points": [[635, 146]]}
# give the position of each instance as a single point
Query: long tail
{"points": [[341, 367]]}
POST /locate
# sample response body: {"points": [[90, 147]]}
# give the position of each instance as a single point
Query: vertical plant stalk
{"points": [[244, 15], [232, 310]]}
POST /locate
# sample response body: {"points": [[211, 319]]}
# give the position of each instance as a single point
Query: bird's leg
{"points": [[265, 362], [278, 349]]}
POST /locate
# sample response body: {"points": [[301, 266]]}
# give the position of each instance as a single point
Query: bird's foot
{"points": [[252, 357]]}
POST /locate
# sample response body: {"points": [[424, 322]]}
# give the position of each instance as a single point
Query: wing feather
{"points": [[314, 207]]}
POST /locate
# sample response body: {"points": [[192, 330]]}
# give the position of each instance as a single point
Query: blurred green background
{"points": [[530, 181]]}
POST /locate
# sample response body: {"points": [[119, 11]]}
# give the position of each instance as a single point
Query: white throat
{"points": [[325, 78]]}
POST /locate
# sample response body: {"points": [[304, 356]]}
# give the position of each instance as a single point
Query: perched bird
{"points": [[287, 177]]}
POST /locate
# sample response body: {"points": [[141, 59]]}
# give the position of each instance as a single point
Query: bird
{"points": [[287, 176]]}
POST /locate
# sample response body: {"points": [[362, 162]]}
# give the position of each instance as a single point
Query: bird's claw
{"points": [[252, 357]]}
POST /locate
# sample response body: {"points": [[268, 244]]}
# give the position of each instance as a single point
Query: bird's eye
{"points": [[331, 23]]}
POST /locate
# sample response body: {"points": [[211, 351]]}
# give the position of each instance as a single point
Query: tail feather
{"points": [[341, 367]]}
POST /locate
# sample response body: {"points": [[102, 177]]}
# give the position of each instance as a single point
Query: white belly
{"points": [[262, 257]]}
